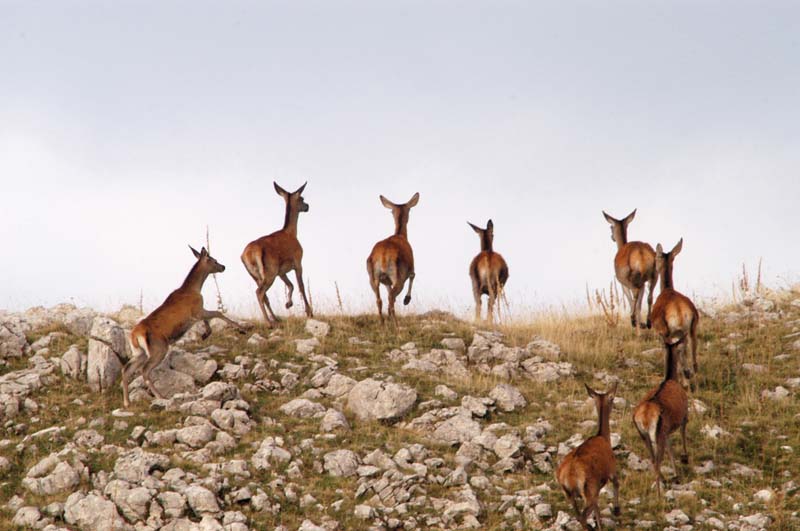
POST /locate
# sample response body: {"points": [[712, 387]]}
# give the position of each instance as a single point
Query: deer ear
{"points": [[630, 217], [300, 190], [659, 249], [608, 218], [591, 391], [203, 251], [413, 201], [281, 191], [476, 229], [195, 252], [388, 204], [489, 225], [677, 249]]}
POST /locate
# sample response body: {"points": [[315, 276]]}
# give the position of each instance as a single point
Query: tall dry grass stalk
{"points": [[220, 303], [338, 297], [607, 302]]}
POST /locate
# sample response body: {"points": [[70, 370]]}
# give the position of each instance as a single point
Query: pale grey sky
{"points": [[127, 127]]}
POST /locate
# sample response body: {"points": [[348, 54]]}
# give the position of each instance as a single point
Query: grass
{"points": [[760, 430]]}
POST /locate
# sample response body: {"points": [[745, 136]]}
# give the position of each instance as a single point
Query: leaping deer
{"points": [[488, 271], [278, 253], [675, 317], [391, 261], [635, 266], [151, 337]]}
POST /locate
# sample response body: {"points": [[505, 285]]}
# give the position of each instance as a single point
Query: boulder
{"points": [[341, 463], [507, 397], [202, 370], [374, 400], [317, 328], [93, 513], [106, 344], [457, 429], [302, 408]]}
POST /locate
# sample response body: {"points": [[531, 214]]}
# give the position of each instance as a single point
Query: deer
{"points": [[675, 317], [488, 271], [276, 254], [634, 265], [391, 261], [151, 337], [662, 411], [587, 468]]}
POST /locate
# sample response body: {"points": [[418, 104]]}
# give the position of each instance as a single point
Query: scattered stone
{"points": [[374, 400], [317, 328], [507, 397]]}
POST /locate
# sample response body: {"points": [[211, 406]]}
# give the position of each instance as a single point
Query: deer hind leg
{"points": [[637, 307], [685, 454], [298, 272], [407, 298], [649, 445], [651, 287], [289, 285], [394, 290], [693, 344], [661, 444], [615, 484], [158, 350], [214, 314], [491, 300], [375, 284], [134, 364], [476, 294]]}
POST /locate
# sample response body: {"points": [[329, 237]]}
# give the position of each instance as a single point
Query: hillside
{"points": [[342, 424]]}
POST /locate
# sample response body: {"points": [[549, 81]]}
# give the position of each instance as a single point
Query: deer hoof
{"points": [[406, 300], [685, 459], [617, 511]]}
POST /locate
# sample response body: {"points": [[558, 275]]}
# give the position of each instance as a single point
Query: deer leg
{"points": [[206, 329], [263, 301], [394, 290], [407, 298], [133, 365], [298, 272], [693, 344], [615, 484], [661, 444], [289, 285], [375, 284], [476, 294], [637, 307], [672, 456], [685, 454], [490, 303], [651, 287], [158, 350], [214, 314]]}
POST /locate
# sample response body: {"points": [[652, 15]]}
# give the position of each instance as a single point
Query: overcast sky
{"points": [[127, 127]]}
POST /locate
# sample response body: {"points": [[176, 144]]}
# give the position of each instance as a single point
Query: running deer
{"points": [[634, 265], [278, 253], [662, 411], [587, 468], [675, 317], [391, 261], [151, 337], [488, 271]]}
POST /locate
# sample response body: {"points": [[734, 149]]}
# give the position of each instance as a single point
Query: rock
{"points": [[136, 465], [93, 513], [73, 363], [195, 436], [132, 501], [454, 343], [174, 504], [13, 343], [338, 386], [341, 463], [302, 408], [364, 512], [220, 391], [317, 328], [758, 520], [308, 525], [476, 406], [457, 429], [257, 340], [270, 452], [52, 476], [374, 400], [780, 393], [202, 501], [26, 517], [445, 393], [168, 382], [306, 346], [764, 496], [202, 370], [676, 517], [334, 420], [508, 445], [88, 438], [106, 344], [507, 397]]}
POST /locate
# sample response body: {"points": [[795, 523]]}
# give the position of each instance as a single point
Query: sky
{"points": [[127, 128]]}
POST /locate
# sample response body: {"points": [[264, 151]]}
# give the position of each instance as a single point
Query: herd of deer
{"points": [[587, 468]]}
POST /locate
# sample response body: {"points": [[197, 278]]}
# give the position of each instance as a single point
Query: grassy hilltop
{"points": [[744, 436]]}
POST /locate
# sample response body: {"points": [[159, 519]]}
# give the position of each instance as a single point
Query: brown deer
{"points": [[151, 337], [675, 317], [587, 468], [278, 253], [488, 271], [391, 261], [662, 411], [634, 265]]}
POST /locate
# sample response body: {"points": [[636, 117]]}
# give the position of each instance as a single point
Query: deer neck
{"points": [[604, 421], [401, 224], [486, 244], [671, 364], [620, 236], [666, 276], [195, 279], [290, 220]]}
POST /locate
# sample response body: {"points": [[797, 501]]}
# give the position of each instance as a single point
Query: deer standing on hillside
{"points": [[587, 468], [278, 253], [675, 317], [391, 261], [634, 265], [488, 271], [662, 411], [151, 337]]}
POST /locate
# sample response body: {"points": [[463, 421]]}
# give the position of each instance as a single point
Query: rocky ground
{"points": [[340, 424]]}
